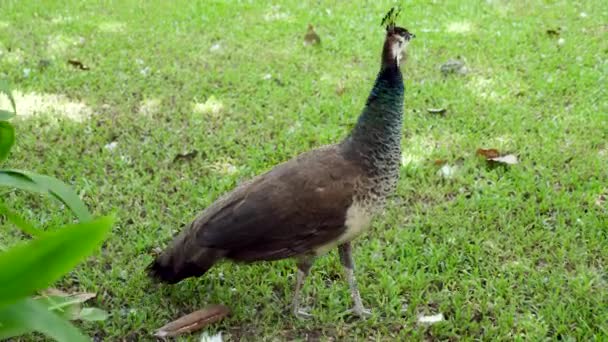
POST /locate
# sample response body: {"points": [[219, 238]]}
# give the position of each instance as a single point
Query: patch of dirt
{"points": [[32, 104]]}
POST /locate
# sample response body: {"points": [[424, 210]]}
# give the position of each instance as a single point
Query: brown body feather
{"points": [[289, 211]]}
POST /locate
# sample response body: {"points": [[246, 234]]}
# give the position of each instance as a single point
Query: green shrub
{"points": [[34, 265]]}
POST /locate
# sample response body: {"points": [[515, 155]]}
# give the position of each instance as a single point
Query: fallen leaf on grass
{"points": [[488, 153], [75, 297], [111, 146], [193, 321], [447, 171], [454, 66], [431, 319], [509, 159], [600, 200], [54, 292], [185, 156], [205, 337], [44, 63], [77, 64], [492, 155], [311, 37], [441, 111], [340, 88], [68, 305]]}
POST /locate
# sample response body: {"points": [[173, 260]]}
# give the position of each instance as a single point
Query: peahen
{"points": [[310, 204]]}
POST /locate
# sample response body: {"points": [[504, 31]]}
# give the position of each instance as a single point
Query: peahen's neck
{"points": [[376, 139]]}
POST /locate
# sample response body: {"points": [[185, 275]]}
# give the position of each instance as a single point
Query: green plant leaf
{"points": [[7, 139], [5, 115], [6, 89], [92, 314], [59, 302], [36, 264], [20, 181], [44, 184], [28, 315], [70, 307], [19, 221]]}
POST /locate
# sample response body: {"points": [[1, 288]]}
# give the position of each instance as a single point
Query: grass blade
{"points": [[36, 264]]}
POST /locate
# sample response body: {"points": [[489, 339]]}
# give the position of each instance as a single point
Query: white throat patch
{"points": [[398, 49]]}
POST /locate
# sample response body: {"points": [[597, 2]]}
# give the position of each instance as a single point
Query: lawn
{"points": [[183, 101]]}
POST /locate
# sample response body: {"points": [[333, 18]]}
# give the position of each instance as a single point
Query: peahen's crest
{"points": [[391, 17]]}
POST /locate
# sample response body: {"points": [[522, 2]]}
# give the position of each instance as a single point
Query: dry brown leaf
{"points": [[156, 251], [488, 153], [79, 297], [311, 37], [454, 66], [54, 292], [492, 155], [83, 297], [440, 111], [509, 159], [77, 64], [600, 200], [186, 156], [340, 88], [194, 321], [432, 319]]}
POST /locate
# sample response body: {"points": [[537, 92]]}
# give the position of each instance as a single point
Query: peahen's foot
{"points": [[359, 311]]}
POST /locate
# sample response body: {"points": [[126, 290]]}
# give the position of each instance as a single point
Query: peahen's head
{"points": [[395, 43]]}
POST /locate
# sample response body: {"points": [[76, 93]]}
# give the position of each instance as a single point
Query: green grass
{"points": [[504, 253]]}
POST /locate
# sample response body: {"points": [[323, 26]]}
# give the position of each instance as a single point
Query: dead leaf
{"points": [[83, 297], [441, 111], [600, 201], [205, 337], [77, 64], [54, 292], [44, 63], [439, 162], [194, 321], [492, 155], [447, 171], [311, 37], [431, 319], [454, 66], [509, 159], [340, 88], [279, 82], [185, 156], [156, 251], [76, 297], [68, 305], [488, 153]]}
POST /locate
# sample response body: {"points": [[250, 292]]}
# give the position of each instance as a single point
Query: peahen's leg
{"points": [[304, 264], [346, 258]]}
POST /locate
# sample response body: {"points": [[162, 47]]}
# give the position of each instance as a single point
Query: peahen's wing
{"points": [[290, 210]]}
